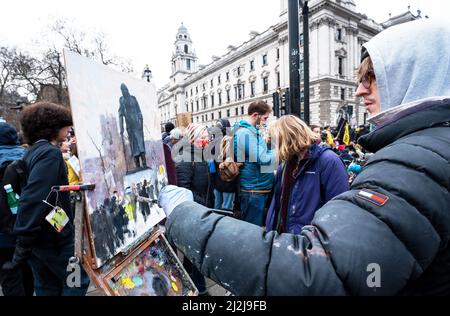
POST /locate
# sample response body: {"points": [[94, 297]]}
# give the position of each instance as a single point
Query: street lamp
{"points": [[147, 73]]}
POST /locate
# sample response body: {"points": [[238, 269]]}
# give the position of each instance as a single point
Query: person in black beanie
{"points": [[166, 135]]}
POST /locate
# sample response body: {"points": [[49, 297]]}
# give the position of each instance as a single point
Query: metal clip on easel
{"points": [[79, 217]]}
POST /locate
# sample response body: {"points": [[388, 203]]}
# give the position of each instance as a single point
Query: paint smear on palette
{"points": [[154, 272]]}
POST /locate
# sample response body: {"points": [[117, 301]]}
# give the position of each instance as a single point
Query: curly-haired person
{"points": [[45, 125]]}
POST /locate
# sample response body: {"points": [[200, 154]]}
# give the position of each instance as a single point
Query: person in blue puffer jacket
{"points": [[256, 175], [309, 176]]}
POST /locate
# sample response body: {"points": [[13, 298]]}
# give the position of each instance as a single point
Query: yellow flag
{"points": [[330, 140], [346, 138]]}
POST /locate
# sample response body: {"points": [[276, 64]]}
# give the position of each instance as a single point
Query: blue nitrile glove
{"points": [[171, 196]]}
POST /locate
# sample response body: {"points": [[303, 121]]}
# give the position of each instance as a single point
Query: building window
{"points": [[205, 102], [188, 64], [218, 79], [252, 88], [350, 110], [227, 75], [220, 98], [220, 114], [197, 119], [186, 49], [191, 92], [203, 118], [339, 34], [212, 83], [228, 96], [336, 90], [228, 113], [196, 89], [278, 80], [341, 66], [350, 92], [252, 65], [238, 71], [342, 93], [264, 59], [192, 107], [212, 116], [242, 110], [239, 91], [278, 53], [204, 87], [265, 84], [186, 94], [236, 111], [311, 92], [196, 102], [187, 107], [212, 101]]}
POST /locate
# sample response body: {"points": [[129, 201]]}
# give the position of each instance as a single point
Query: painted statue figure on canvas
{"points": [[130, 111]]}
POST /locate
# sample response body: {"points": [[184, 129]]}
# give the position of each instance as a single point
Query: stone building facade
{"points": [[260, 66]]}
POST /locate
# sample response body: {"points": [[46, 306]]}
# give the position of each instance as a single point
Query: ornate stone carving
{"points": [[325, 20]]}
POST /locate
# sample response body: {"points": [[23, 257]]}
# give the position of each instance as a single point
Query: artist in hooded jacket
{"points": [[389, 234]]}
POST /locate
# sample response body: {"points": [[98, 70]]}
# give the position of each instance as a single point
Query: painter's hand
{"points": [[171, 196]]}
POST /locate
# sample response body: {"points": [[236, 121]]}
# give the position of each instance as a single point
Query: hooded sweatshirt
{"points": [[410, 70]]}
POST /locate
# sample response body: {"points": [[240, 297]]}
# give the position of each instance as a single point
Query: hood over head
{"points": [[411, 61]]}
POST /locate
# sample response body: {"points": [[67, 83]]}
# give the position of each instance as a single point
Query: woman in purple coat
{"points": [[307, 178]]}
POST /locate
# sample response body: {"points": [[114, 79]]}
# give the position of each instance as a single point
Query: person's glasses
{"points": [[367, 80]]}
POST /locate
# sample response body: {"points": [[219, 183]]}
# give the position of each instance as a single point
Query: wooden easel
{"points": [[85, 251]]}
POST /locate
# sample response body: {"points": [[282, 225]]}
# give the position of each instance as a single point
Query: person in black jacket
{"points": [[192, 167], [18, 282], [390, 233], [193, 174], [45, 126]]}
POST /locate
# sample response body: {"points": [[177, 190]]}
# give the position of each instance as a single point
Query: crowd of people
{"points": [[272, 206]]}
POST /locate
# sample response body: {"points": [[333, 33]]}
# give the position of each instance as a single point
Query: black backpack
{"points": [[14, 173]]}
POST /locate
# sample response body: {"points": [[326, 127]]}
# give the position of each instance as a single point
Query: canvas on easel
{"points": [[120, 150]]}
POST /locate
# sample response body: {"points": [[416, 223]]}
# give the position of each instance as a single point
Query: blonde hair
{"points": [[293, 137]]}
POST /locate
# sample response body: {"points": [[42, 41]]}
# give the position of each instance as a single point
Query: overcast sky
{"points": [[144, 30]]}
